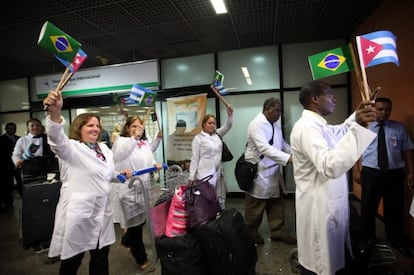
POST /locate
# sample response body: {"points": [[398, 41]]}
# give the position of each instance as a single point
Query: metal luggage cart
{"points": [[147, 195]]}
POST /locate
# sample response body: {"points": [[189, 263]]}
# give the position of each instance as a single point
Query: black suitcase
{"points": [[38, 213], [227, 244], [180, 256]]}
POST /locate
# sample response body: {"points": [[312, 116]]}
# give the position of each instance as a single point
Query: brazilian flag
{"points": [[58, 42], [332, 62]]}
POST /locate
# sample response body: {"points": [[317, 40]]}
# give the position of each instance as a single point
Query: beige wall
{"points": [[397, 82]]}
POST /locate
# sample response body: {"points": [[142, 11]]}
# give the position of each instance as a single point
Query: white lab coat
{"points": [[128, 155], [269, 180], [84, 213], [322, 154], [206, 157]]}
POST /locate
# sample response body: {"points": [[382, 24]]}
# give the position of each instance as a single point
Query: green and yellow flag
{"points": [[58, 42], [332, 62]]}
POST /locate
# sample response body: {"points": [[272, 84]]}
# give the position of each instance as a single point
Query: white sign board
{"points": [[100, 80]]}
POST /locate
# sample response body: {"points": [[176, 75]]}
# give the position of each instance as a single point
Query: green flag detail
{"points": [[58, 42], [332, 62], [149, 99]]}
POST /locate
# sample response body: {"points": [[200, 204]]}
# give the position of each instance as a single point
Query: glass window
{"points": [[187, 71], [14, 95], [19, 118], [258, 65], [296, 71]]}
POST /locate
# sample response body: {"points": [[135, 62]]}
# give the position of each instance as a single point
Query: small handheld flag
{"points": [[143, 96], [332, 62], [217, 83], [376, 48], [77, 61], [58, 42]]}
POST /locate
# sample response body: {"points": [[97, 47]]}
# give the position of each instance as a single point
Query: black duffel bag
{"points": [[245, 173]]}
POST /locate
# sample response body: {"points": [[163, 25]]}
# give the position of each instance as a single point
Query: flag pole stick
{"points": [[357, 72], [67, 80], [158, 122], [220, 96], [365, 81], [364, 74], [62, 79], [59, 88]]}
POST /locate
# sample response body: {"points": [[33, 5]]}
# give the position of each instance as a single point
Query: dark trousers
{"points": [[6, 189], [275, 210], [390, 186], [133, 239], [17, 173], [98, 264]]}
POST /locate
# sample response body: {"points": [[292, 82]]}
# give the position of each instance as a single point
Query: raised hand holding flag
{"points": [[218, 87]]}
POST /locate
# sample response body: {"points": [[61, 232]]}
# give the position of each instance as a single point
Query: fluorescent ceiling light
{"points": [[249, 81], [245, 72], [219, 6]]}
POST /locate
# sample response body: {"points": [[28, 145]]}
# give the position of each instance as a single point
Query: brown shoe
{"points": [[286, 239], [147, 267]]}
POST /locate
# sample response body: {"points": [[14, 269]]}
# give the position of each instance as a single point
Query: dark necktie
{"points": [[382, 148]]}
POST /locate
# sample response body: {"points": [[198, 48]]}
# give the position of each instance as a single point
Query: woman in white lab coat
{"points": [[322, 154], [83, 220], [206, 153], [133, 151]]}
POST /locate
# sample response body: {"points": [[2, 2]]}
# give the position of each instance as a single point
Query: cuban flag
{"points": [[79, 59], [141, 95], [376, 48]]}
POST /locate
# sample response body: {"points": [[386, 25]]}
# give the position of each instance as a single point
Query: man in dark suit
{"points": [[8, 171]]}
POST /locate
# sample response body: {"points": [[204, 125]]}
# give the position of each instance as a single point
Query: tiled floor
{"points": [[273, 256]]}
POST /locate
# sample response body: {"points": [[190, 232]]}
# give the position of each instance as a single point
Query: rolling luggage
{"points": [[38, 213], [226, 244], [180, 256]]}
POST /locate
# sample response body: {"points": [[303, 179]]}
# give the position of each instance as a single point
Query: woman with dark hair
{"points": [[132, 150], [206, 153], [84, 214]]}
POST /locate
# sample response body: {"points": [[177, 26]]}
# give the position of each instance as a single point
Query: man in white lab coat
{"points": [[322, 154]]}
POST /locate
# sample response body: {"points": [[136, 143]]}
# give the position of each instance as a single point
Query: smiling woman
{"points": [[84, 214]]}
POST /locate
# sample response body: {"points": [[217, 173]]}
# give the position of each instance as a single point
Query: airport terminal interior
{"points": [[175, 47]]}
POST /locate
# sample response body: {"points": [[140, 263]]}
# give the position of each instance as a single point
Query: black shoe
{"points": [[257, 239], [52, 260]]}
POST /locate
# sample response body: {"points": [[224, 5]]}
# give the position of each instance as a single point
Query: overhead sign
{"points": [[101, 80]]}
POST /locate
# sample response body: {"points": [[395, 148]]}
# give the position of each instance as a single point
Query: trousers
{"points": [[98, 264], [275, 211]]}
